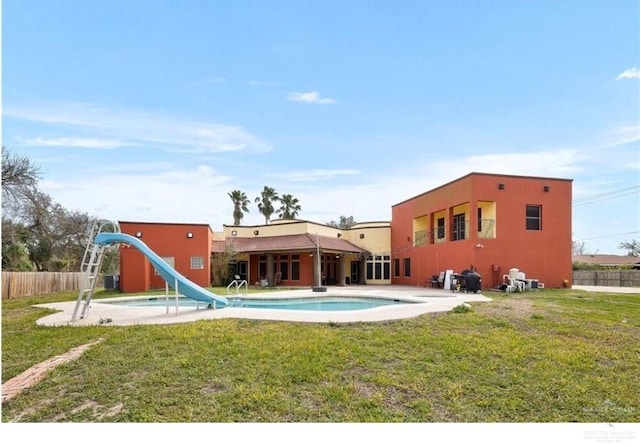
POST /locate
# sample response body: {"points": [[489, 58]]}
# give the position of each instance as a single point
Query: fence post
{"points": [[620, 278]]}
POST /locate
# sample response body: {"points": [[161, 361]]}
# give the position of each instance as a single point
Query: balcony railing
{"points": [[420, 238], [461, 231], [487, 229], [439, 235]]}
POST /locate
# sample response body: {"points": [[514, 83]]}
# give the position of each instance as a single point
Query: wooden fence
{"points": [[25, 284], [609, 278]]}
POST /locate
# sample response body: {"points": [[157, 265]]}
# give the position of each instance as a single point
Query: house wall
{"points": [[306, 270], [544, 255], [166, 240], [374, 237]]}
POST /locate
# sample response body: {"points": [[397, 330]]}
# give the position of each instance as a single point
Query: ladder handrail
{"points": [[238, 285], [91, 266]]}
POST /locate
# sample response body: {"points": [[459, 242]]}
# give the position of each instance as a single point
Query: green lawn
{"points": [[548, 356]]}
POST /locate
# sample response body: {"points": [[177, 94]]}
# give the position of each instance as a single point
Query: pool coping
{"points": [[424, 301]]}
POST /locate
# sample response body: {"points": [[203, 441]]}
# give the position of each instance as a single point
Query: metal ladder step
{"points": [[91, 265]]}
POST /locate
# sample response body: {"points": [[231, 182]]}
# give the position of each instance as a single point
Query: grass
{"points": [[548, 356]]}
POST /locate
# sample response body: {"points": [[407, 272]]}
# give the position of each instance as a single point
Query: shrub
{"points": [[461, 309]]}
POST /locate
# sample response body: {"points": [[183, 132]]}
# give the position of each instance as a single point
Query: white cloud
{"points": [[84, 142], [311, 97], [314, 174], [543, 163], [163, 195], [629, 73], [141, 127], [621, 134]]}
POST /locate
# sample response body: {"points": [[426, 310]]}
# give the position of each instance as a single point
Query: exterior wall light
{"points": [[234, 233], [500, 185], [190, 235], [138, 233], [546, 188], [256, 232], [361, 235]]}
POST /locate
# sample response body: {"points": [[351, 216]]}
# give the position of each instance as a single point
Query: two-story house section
{"points": [[488, 222]]}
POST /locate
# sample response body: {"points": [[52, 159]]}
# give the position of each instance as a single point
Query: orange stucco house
{"points": [[490, 222], [186, 247]]}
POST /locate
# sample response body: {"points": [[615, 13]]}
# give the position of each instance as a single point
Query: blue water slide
{"points": [[169, 274]]}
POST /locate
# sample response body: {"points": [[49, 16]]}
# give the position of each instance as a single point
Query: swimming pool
{"points": [[327, 303]]}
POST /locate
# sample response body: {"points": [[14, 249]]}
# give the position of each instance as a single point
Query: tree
{"points": [[221, 266], [15, 257], [579, 248], [344, 223], [290, 207], [33, 225], [19, 176], [240, 204], [54, 236], [633, 247], [265, 202]]}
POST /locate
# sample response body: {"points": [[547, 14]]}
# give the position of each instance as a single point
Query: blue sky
{"points": [[155, 110]]}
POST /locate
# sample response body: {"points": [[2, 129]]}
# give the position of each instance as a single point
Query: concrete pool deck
{"points": [[426, 301]]}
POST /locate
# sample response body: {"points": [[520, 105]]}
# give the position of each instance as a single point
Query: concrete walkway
{"points": [[420, 300]]}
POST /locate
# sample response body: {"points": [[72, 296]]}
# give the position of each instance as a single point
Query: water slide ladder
{"points": [[91, 265]]}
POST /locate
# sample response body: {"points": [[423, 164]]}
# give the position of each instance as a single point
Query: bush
{"points": [[461, 309]]}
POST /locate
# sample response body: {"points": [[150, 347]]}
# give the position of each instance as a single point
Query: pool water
{"points": [[317, 304]]}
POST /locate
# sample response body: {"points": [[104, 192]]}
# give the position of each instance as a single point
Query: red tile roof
{"points": [[295, 242]]}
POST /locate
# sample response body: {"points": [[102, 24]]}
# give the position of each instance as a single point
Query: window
{"points": [[197, 263], [295, 267], [370, 267], [479, 220], [284, 267], [379, 267], [440, 228], [169, 260], [262, 267], [407, 267], [396, 268], [458, 227], [386, 266], [534, 217]]}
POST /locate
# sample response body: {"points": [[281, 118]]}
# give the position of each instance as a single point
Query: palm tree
{"points": [[290, 207], [240, 204], [265, 202]]}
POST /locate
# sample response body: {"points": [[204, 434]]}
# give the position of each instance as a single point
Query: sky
{"points": [[154, 110]]}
